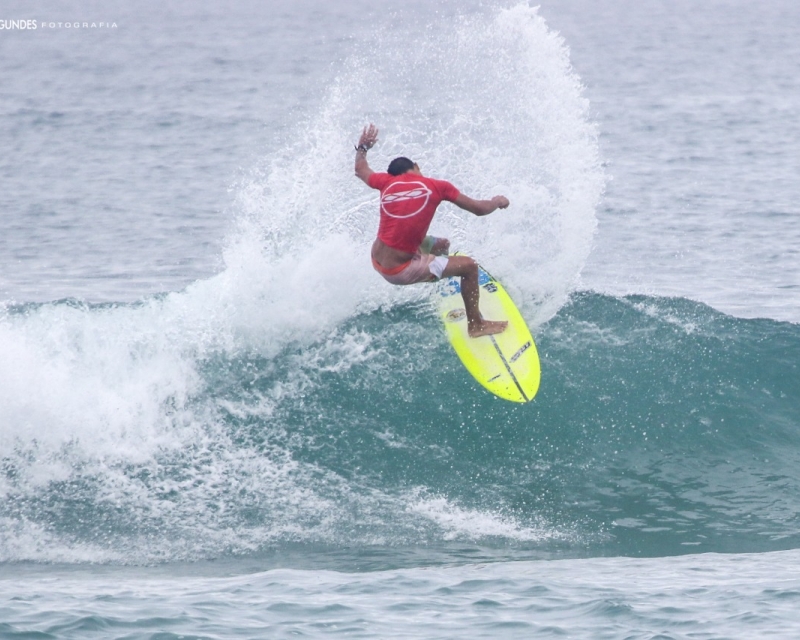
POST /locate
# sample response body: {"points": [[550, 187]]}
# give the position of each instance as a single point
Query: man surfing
{"points": [[403, 253]]}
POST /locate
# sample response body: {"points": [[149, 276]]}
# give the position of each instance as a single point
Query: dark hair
{"points": [[399, 166]]}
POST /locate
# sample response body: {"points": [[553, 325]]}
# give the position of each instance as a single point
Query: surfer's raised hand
{"points": [[501, 202], [369, 136]]}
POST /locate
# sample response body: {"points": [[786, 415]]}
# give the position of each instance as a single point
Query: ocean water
{"points": [[216, 421]]}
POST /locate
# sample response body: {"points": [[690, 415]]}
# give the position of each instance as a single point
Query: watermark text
{"points": [[33, 25]]}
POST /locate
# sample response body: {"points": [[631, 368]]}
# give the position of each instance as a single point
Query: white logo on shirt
{"points": [[397, 194]]}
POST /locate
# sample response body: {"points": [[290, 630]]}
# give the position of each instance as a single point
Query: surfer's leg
{"points": [[467, 268]]}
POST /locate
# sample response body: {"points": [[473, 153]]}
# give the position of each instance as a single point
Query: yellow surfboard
{"points": [[506, 364]]}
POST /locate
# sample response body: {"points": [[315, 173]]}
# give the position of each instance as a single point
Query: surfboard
{"points": [[506, 364]]}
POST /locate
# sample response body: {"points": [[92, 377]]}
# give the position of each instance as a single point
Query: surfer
{"points": [[403, 253]]}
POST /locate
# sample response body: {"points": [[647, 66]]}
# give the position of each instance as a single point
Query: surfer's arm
{"points": [[480, 207], [369, 136], [363, 169]]}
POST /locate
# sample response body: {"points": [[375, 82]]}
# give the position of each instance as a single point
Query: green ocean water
{"points": [[662, 427]]}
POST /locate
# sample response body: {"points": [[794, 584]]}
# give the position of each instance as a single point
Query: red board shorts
{"points": [[423, 267]]}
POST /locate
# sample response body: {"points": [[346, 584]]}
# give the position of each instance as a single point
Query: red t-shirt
{"points": [[408, 202]]}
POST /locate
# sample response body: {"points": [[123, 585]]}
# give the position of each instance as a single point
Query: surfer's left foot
{"points": [[487, 328]]}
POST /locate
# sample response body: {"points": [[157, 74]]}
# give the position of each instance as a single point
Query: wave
{"points": [[661, 427], [295, 401]]}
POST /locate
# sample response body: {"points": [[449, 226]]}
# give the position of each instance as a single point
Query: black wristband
{"points": [[362, 147]]}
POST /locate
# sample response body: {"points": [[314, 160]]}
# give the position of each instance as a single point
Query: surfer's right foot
{"points": [[487, 328]]}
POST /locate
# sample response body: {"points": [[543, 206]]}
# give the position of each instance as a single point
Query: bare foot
{"points": [[487, 328]]}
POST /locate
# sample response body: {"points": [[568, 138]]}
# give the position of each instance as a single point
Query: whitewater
{"points": [[216, 421]]}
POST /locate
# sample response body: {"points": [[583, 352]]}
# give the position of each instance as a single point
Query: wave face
{"points": [[662, 427]]}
